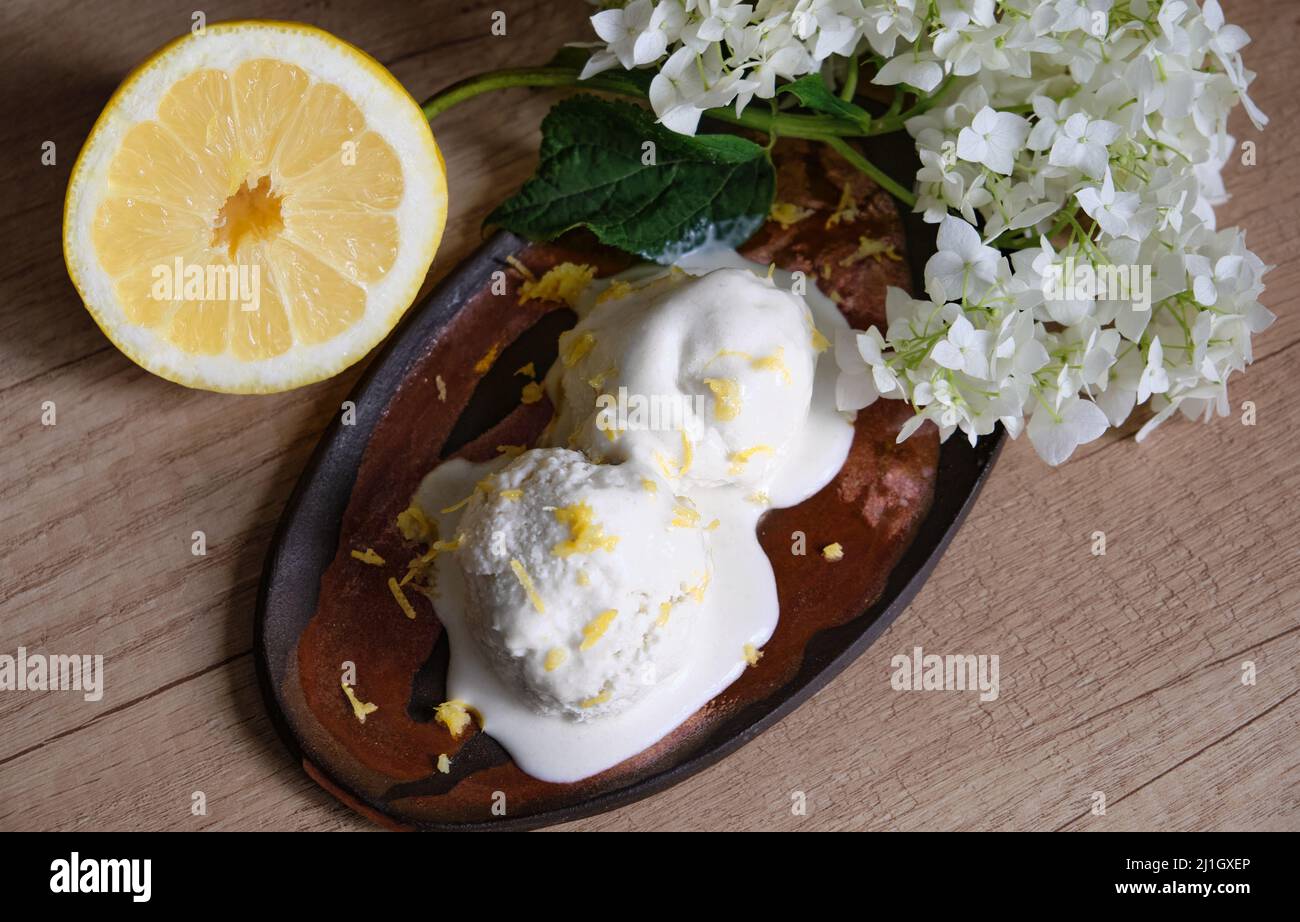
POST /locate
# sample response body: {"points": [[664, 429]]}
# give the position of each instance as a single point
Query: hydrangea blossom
{"points": [[1071, 159]]}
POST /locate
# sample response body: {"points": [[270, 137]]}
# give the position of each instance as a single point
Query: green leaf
{"points": [[591, 174], [812, 91]]}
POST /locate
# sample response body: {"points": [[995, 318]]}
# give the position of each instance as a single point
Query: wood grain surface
{"points": [[1120, 674]]}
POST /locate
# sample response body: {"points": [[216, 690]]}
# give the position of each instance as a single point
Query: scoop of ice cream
{"points": [[582, 581], [703, 379]]}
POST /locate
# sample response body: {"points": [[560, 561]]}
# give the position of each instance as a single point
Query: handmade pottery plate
{"points": [[896, 506]]}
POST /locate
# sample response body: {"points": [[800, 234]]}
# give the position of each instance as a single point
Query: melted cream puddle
{"points": [[740, 605]]}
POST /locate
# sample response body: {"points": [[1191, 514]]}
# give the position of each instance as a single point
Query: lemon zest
{"points": [[586, 536], [685, 517], [615, 290], [871, 248], [526, 581], [403, 602], [577, 348], [359, 708], [555, 658], [740, 458], [521, 268], [726, 397], [595, 629], [787, 214], [489, 357], [414, 524], [774, 362], [846, 211], [564, 282], [454, 715], [368, 556]]}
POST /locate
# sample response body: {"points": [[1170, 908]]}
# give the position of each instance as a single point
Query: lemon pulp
{"points": [[255, 208], [260, 167]]}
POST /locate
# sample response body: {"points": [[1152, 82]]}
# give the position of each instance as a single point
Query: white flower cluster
{"points": [[1084, 137]]}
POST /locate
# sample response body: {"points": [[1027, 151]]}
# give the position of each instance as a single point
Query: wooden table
{"points": [[1120, 674]]}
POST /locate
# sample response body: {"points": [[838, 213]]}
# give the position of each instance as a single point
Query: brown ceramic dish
{"points": [[893, 507]]}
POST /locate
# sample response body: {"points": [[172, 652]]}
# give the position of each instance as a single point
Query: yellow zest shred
{"points": [[846, 211], [512, 451], [512, 495], [759, 497], [666, 465], [418, 565], [819, 342], [649, 485], [413, 524], [726, 397], [453, 545], [555, 658], [595, 700], [752, 654], [774, 362], [528, 371], [564, 282], [732, 353], [521, 268], [833, 552], [869, 247], [665, 609], [368, 556], [597, 381], [577, 348], [402, 600], [596, 628], [697, 591], [583, 579], [685, 517], [532, 393], [787, 214], [586, 536], [526, 582], [359, 708], [442, 388], [460, 505], [489, 357], [616, 289], [444, 763], [740, 458], [454, 715]]}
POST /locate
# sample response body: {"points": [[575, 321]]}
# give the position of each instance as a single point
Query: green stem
{"points": [[849, 153], [851, 81], [811, 127]]}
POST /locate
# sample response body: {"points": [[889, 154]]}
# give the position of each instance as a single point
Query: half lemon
{"points": [[256, 207]]}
